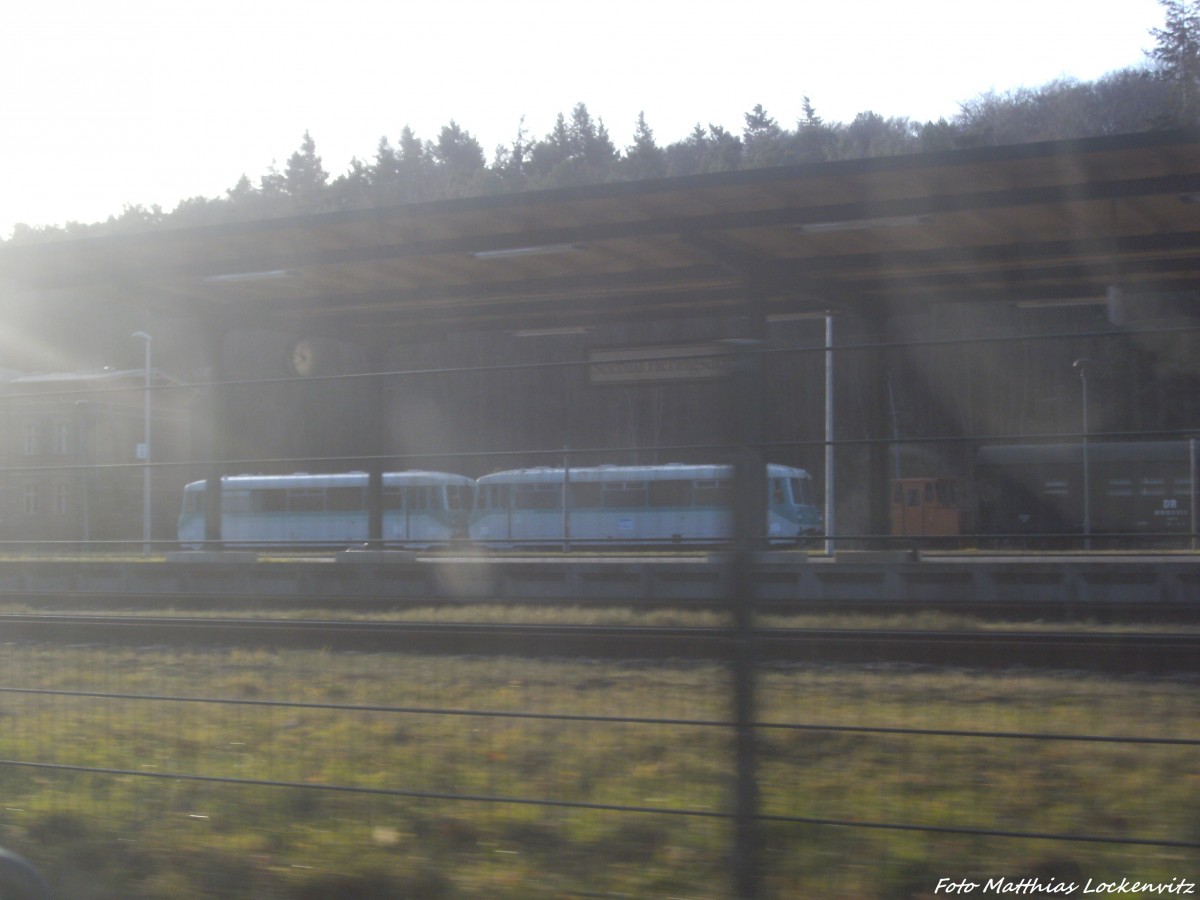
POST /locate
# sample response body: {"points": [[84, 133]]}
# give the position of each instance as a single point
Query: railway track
{"points": [[1109, 652], [1008, 610]]}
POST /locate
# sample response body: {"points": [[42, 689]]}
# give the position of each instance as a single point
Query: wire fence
{"points": [[158, 771], [541, 776]]}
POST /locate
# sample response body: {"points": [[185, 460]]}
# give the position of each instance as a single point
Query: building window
{"points": [[32, 439], [62, 438], [62, 498]]}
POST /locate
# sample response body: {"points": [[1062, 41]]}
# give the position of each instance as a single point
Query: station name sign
{"points": [[676, 362]]}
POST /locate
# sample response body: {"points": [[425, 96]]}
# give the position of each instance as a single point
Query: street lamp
{"points": [[146, 542], [1082, 365]]}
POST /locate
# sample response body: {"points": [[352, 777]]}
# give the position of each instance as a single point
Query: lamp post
{"points": [[829, 455], [146, 523], [1082, 365]]}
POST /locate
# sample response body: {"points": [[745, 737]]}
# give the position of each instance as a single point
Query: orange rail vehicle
{"points": [[929, 507]]}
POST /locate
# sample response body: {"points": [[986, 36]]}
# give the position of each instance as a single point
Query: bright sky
{"points": [[151, 101]]}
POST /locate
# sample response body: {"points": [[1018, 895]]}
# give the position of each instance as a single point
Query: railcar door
{"points": [[926, 507], [908, 505]]}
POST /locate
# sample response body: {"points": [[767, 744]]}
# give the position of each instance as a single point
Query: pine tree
{"points": [[385, 172], [510, 162], [811, 119], [644, 158], [305, 177], [414, 168], [457, 151], [356, 188], [813, 140], [1177, 56], [762, 138]]}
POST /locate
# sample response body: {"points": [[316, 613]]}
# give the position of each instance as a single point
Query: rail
{"points": [[1124, 651]]}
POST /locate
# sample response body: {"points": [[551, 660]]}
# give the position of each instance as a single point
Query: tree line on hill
{"points": [[1164, 93]]}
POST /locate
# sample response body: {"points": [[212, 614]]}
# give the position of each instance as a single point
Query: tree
{"points": [[458, 157], [551, 151], [591, 144], [573, 153], [813, 141], [414, 168], [762, 139], [354, 189], [870, 134], [711, 150], [457, 150], [385, 171], [935, 136], [272, 186], [136, 218], [511, 162], [1130, 100], [811, 119], [1177, 56], [1121, 102], [305, 177], [644, 158]]}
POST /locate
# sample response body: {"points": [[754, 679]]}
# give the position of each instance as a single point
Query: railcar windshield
{"points": [[459, 496], [193, 501]]}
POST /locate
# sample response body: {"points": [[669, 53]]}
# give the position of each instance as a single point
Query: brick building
{"points": [[71, 468]]}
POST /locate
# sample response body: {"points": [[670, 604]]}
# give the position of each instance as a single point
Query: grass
{"points": [[665, 617], [123, 835]]}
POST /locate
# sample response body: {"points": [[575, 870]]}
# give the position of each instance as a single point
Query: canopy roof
{"points": [[1045, 222]]}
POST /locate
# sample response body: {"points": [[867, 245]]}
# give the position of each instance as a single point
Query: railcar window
{"points": [[537, 496], [344, 499], [914, 496], [393, 498], [625, 494], [674, 492], [929, 492], [240, 501], [271, 500], [418, 497], [499, 495], [777, 498], [458, 496], [306, 500], [585, 495], [800, 491], [714, 493], [193, 501]]}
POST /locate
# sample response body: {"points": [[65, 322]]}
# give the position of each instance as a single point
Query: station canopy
{"points": [[1047, 222]]}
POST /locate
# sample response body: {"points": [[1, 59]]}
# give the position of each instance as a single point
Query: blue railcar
{"points": [[633, 506], [420, 509]]}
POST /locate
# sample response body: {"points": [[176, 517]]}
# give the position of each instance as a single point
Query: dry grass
{"points": [[121, 835]]}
